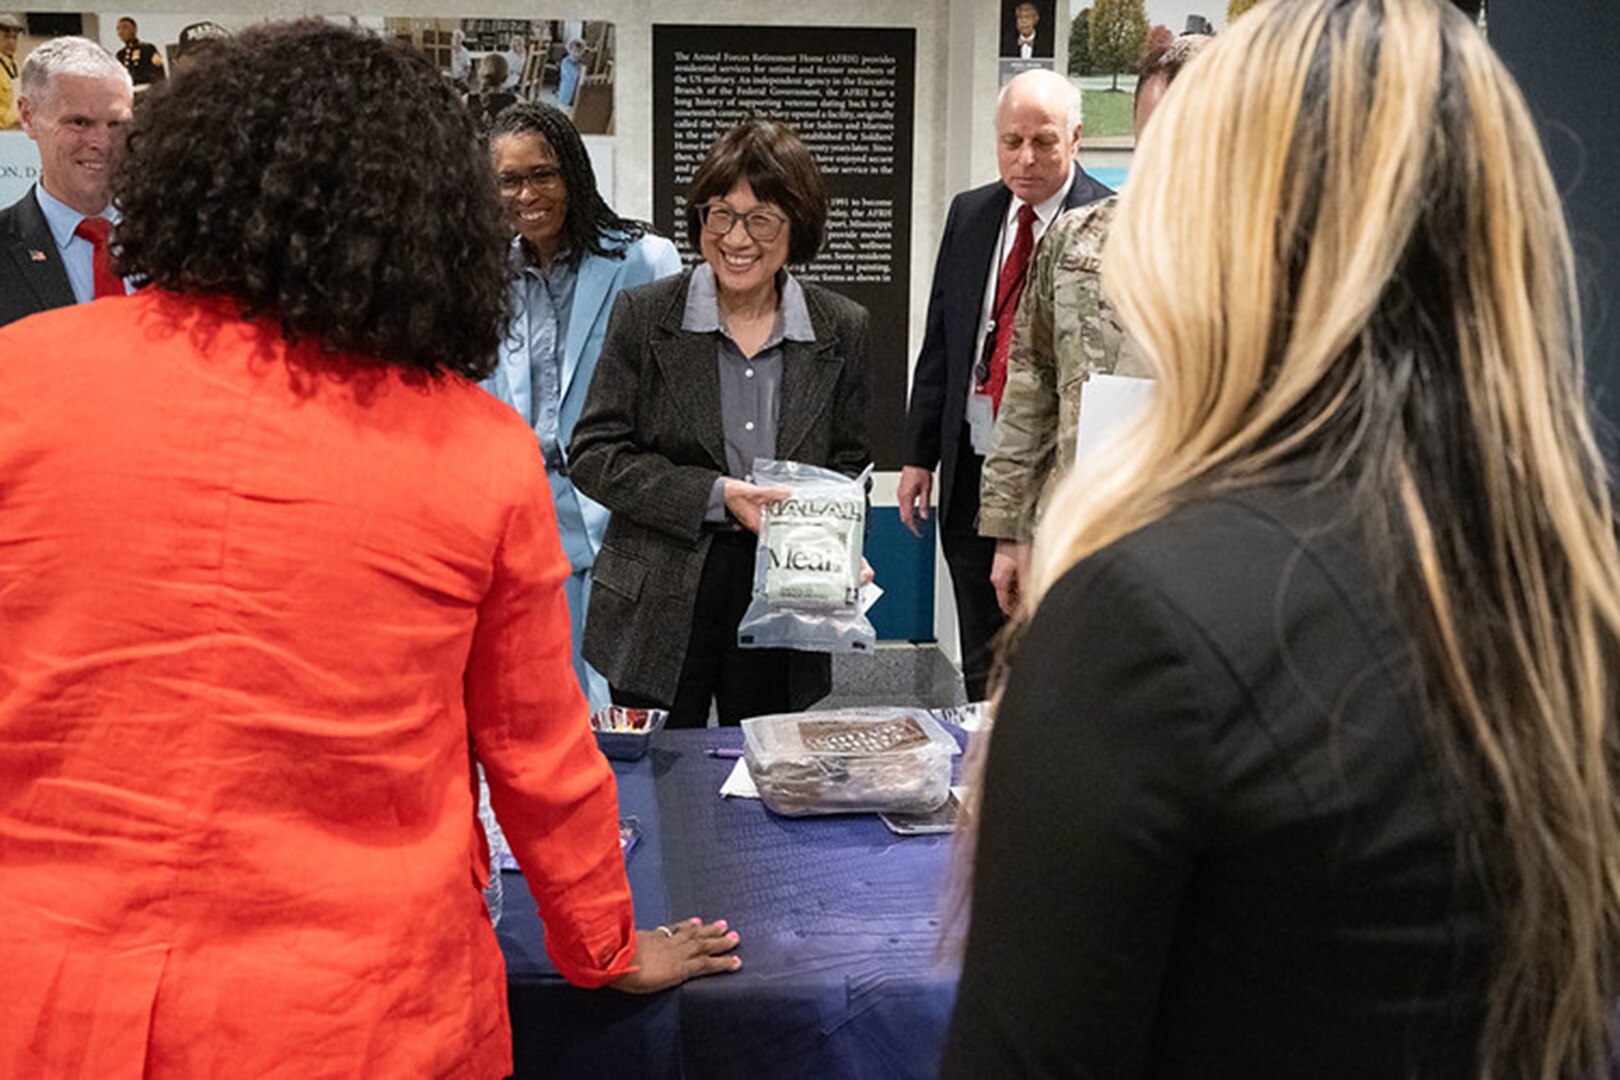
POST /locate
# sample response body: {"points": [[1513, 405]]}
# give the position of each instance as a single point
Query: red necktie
{"points": [[1009, 287], [95, 229]]}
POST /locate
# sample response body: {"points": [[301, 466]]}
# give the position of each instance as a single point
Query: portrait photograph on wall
{"points": [[1028, 30]]}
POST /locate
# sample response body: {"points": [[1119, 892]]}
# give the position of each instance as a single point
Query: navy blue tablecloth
{"points": [[839, 921]]}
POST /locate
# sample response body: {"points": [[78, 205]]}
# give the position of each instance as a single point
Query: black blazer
{"points": [[649, 445], [32, 277], [939, 384], [1216, 839]]}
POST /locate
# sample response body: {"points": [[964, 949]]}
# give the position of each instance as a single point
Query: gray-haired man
{"points": [[74, 100]]}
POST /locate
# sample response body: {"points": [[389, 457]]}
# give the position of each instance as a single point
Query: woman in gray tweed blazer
{"points": [[699, 375]]}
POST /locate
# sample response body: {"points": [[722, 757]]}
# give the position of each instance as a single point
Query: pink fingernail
{"points": [[721, 923], [732, 936]]}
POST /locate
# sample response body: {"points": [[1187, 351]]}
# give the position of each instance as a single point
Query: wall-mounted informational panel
{"points": [[849, 93]]}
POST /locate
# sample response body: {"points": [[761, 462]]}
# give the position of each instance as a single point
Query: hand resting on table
{"points": [[668, 956]]}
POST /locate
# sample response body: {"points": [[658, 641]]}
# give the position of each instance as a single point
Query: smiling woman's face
{"points": [[532, 189], [744, 266]]}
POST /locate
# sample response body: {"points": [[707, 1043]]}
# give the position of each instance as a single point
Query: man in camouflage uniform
{"points": [[1065, 332]]}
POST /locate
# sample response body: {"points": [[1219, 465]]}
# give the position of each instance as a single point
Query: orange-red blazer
{"points": [[253, 603]]}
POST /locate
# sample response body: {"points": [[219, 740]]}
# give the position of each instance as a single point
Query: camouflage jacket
{"points": [[1063, 333]]}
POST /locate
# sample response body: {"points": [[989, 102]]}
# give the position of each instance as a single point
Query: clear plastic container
{"points": [[624, 734], [849, 760]]}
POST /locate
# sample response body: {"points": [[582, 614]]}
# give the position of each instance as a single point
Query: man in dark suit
{"points": [[74, 101], [956, 387]]}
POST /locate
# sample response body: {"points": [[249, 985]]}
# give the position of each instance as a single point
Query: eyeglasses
{"points": [[545, 178], [762, 225]]}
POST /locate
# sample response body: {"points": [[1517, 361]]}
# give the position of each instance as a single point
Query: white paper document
{"points": [[1109, 403], [740, 784]]}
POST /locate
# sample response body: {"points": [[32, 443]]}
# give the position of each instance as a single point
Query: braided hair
{"points": [[589, 220]]}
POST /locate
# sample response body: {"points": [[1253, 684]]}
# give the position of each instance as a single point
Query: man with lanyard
{"points": [[1066, 331], [956, 387], [143, 61], [74, 101]]}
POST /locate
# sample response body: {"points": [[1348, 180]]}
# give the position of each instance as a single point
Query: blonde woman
{"points": [[1306, 762]]}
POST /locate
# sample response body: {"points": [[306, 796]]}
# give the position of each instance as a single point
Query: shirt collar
{"points": [[520, 263], [62, 218], [702, 315], [1047, 209]]}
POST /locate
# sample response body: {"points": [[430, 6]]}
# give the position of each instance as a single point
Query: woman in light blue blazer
{"points": [[571, 257]]}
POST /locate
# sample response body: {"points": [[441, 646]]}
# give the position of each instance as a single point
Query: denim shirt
{"points": [[541, 301]]}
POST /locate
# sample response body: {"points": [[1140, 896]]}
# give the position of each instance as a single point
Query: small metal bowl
{"points": [[624, 734]]}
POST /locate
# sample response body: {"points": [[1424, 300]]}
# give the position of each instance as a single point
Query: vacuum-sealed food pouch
{"points": [[847, 760], [807, 570]]}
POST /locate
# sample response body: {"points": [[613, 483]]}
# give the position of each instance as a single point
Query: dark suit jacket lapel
{"points": [[980, 230], [809, 374], [46, 276], [690, 367]]}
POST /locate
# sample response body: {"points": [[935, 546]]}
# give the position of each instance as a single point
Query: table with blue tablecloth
{"points": [[839, 921]]}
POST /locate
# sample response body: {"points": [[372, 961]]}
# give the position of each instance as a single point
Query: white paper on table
{"points": [[970, 717], [1107, 404], [740, 783]]}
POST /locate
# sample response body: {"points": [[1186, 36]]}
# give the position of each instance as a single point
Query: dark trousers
{"points": [[741, 682], [969, 555]]}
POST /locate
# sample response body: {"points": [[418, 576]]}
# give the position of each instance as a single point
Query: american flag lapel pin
{"points": [[38, 256]]}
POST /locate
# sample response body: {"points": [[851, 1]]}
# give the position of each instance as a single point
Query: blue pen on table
{"points": [[725, 751]]}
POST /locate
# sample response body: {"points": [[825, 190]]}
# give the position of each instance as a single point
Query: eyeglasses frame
{"points": [[708, 208], [551, 182]]}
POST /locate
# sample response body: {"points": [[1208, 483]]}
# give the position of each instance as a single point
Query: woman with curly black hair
{"points": [[271, 569], [571, 257]]}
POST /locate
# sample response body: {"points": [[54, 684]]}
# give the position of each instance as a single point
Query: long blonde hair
{"points": [[1341, 239]]}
